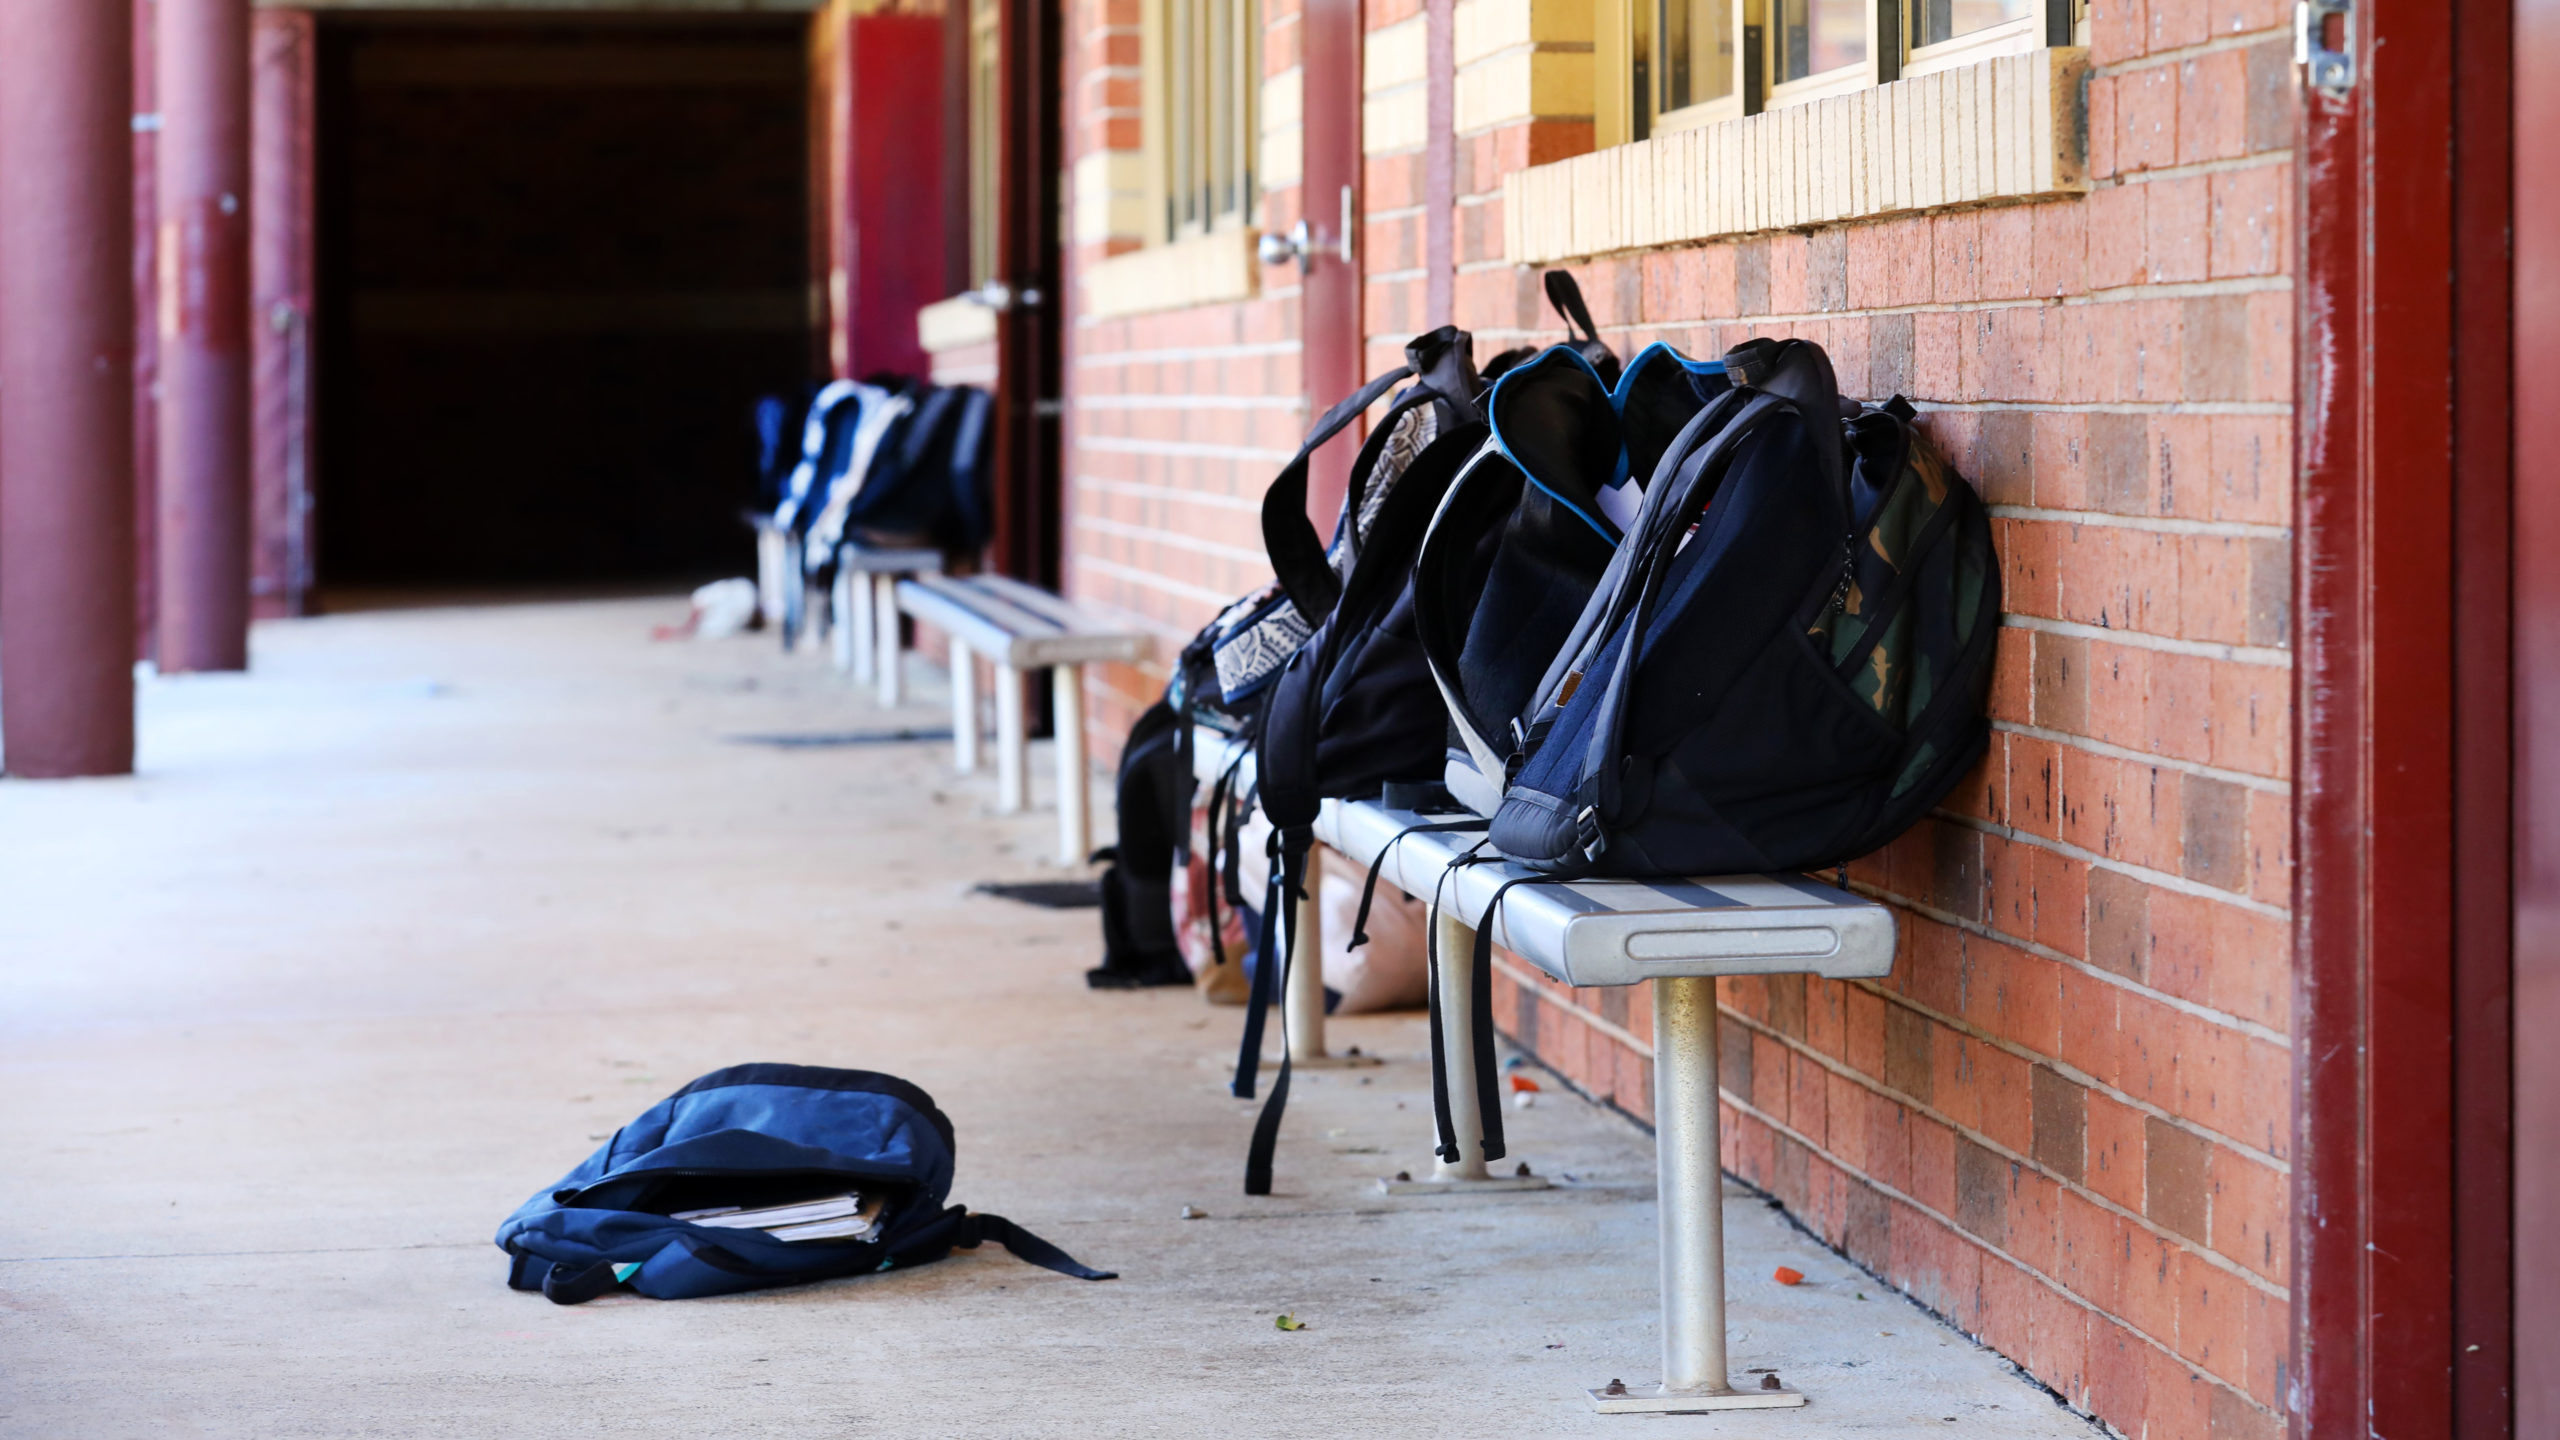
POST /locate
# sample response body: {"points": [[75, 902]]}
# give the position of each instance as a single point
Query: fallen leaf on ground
{"points": [[1289, 1322]]}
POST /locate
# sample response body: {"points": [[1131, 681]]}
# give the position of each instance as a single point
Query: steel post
{"points": [[66, 388], [1303, 1001], [1690, 1170], [204, 334], [1066, 722], [1453, 943]]}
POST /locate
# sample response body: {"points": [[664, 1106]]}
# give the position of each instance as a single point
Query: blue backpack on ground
{"points": [[752, 1136]]}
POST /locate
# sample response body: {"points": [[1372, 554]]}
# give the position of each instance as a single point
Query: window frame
{"points": [[1620, 36], [1201, 121]]}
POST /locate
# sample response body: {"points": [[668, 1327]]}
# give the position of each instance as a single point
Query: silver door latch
{"points": [[1300, 243], [2324, 45]]}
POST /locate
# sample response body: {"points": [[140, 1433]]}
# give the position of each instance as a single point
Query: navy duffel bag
{"points": [[761, 1156]]}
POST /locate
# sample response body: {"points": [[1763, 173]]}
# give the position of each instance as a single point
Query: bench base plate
{"points": [[1654, 1400], [1433, 1185]]}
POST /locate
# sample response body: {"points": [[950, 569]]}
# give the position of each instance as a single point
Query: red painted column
{"points": [[66, 377], [204, 334]]}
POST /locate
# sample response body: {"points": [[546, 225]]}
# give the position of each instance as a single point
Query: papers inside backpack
{"points": [[850, 1216]]}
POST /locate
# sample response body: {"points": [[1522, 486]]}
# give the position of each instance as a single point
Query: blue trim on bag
{"points": [[1617, 404]]}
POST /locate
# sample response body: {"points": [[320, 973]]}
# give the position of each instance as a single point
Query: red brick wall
{"points": [[1176, 419], [2063, 1121]]}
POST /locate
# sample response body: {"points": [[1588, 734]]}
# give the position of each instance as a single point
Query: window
{"points": [[1678, 63], [1683, 63], [1204, 73]]}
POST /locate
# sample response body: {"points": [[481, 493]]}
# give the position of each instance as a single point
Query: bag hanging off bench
{"points": [[752, 1136], [1353, 709], [1791, 665]]}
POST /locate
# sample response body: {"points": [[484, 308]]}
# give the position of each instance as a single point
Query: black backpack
{"points": [[1153, 797], [928, 487], [1354, 709], [1813, 601], [1527, 531]]}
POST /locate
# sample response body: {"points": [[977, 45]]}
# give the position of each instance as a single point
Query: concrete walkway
{"points": [[393, 931]]}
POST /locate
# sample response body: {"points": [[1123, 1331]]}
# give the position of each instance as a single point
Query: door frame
{"points": [[2400, 1276]]}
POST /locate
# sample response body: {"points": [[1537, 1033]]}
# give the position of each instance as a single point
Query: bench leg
{"points": [[1066, 710], [1691, 1185], [1453, 970], [795, 594], [1009, 741], [964, 709], [884, 652], [842, 609], [1303, 1002], [769, 575], [854, 614], [1455, 942]]}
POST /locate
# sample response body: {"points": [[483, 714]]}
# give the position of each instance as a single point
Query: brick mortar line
{"points": [[2153, 60], [1147, 580], [1242, 505], [1128, 400], [2049, 1282], [2202, 1249], [2263, 784], [1171, 539], [1097, 357], [1987, 931], [2068, 1070], [1396, 214], [1528, 976], [1131, 445], [1372, 277], [2110, 295], [2267, 656], [2149, 524], [2254, 160], [1968, 1028], [2194, 889], [2102, 407]]}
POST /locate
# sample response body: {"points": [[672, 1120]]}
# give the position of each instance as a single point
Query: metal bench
{"points": [[864, 603], [1019, 628], [1677, 936]]}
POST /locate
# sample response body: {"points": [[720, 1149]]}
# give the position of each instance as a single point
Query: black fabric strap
{"points": [[1290, 867], [562, 1285], [1369, 887], [975, 1230], [1257, 1008], [1288, 537], [1488, 1071]]}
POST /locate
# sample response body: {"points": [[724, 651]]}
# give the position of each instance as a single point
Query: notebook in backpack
{"points": [[754, 1136], [1791, 665]]}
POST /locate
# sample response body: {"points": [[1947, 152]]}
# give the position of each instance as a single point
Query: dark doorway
{"points": [[559, 258]]}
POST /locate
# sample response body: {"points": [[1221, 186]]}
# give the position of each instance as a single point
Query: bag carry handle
{"points": [[1565, 293]]}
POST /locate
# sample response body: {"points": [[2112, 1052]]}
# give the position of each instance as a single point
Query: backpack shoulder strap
{"points": [[1288, 537]]}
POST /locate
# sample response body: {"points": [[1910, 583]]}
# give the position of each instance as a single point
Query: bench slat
{"points": [[987, 619], [872, 560]]}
